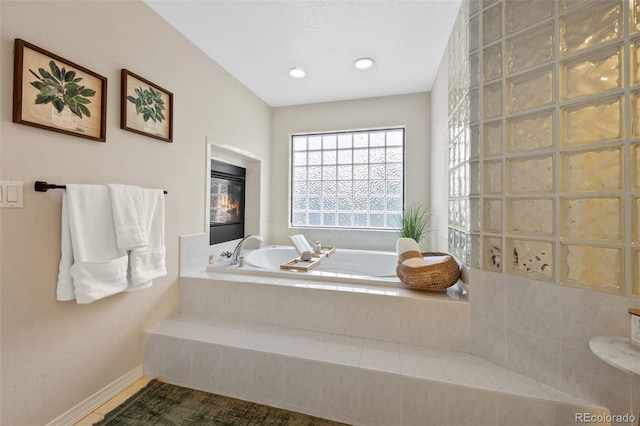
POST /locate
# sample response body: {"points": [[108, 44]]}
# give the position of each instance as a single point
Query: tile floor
{"points": [[98, 413]]}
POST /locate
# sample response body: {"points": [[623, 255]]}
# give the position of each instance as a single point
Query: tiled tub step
{"points": [[356, 380], [384, 313]]}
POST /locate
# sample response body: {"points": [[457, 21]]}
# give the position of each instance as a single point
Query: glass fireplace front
{"points": [[226, 217]]}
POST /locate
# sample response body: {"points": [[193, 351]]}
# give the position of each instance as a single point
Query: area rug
{"points": [[161, 403]]}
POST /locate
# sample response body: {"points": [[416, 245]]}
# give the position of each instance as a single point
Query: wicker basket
{"points": [[430, 277]]}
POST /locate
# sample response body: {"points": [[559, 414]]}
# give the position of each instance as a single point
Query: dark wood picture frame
{"points": [[145, 107], [53, 93]]}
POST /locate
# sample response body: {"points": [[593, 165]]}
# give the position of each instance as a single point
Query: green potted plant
{"points": [[415, 222], [62, 88]]}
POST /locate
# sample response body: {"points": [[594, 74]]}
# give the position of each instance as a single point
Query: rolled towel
{"points": [[409, 252], [414, 262], [432, 260], [300, 243]]}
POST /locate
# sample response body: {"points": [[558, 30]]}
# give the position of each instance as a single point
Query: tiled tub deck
{"points": [[365, 356]]}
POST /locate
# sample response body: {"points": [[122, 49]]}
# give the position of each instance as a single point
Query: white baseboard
{"points": [[83, 409]]}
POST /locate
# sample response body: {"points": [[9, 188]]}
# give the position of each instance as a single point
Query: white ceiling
{"points": [[259, 41]]}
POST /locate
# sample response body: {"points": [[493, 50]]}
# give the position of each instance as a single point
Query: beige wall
{"points": [[56, 354], [411, 111]]}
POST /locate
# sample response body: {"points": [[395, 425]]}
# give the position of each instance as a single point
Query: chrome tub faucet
{"points": [[238, 249]]}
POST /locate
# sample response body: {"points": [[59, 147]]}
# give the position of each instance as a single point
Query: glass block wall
{"points": [[464, 188], [558, 109]]}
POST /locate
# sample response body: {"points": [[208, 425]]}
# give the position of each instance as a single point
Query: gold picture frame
{"points": [[145, 108], [53, 93]]}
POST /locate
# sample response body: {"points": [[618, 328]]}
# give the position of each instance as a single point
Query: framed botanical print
{"points": [[146, 108], [53, 93]]}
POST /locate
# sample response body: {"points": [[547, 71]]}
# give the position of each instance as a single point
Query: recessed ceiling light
{"points": [[297, 72], [364, 63]]}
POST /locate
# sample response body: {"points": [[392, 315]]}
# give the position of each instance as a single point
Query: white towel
{"points": [[409, 252], [148, 263], [91, 264], [300, 243], [414, 262], [64, 290], [128, 216], [432, 260]]}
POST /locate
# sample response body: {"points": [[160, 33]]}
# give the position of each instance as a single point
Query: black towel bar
{"points": [[41, 186]]}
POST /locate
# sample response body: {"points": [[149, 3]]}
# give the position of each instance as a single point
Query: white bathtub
{"points": [[344, 265], [343, 261], [350, 270]]}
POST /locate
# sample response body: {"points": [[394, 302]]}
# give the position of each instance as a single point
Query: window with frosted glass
{"points": [[348, 179]]}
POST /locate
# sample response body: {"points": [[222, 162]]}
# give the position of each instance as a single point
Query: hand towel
{"points": [[409, 252], [95, 266], [64, 290], [148, 262], [300, 243], [128, 216]]}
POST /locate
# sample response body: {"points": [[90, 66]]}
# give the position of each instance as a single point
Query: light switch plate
{"points": [[11, 194]]}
